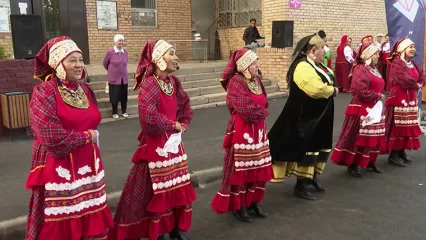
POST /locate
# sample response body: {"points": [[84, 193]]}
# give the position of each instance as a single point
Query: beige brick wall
{"points": [[335, 18], [272, 61], [6, 42], [173, 21]]}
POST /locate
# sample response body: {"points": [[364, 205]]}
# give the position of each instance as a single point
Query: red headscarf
{"points": [[358, 59], [145, 66], [342, 44], [232, 68], [394, 52], [42, 69], [366, 38]]}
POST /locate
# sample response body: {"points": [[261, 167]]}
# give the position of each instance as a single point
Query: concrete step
{"points": [[203, 101], [207, 87], [193, 74]]}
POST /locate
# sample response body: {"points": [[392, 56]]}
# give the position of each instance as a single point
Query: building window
{"points": [[237, 13], [144, 13], [52, 19]]}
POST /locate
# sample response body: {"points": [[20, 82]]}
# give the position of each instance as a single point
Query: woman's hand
{"points": [[178, 126], [94, 135], [336, 91], [419, 85]]}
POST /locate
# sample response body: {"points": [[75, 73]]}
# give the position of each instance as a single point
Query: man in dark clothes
{"points": [[250, 35]]}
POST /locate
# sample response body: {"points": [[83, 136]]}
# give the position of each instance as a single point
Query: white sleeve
{"points": [[348, 54]]}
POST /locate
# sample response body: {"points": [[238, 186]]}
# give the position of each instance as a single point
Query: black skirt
{"points": [[118, 93]]}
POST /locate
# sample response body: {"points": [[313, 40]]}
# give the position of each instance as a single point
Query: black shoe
{"points": [[242, 215], [259, 212], [301, 189], [396, 160], [374, 167], [177, 234], [355, 171], [161, 237], [317, 185], [404, 157]]}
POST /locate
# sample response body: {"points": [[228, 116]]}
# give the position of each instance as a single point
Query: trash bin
{"points": [[15, 108]]}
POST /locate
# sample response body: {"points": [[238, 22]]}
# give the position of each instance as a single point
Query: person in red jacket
{"points": [[247, 165], [358, 144], [344, 59], [157, 196], [405, 77]]}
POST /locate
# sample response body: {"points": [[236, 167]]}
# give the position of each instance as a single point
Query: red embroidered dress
{"points": [[357, 144], [158, 193], [342, 66], [402, 107], [247, 162], [67, 175]]}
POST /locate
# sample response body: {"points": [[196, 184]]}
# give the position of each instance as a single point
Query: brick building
{"points": [[355, 18], [137, 20]]}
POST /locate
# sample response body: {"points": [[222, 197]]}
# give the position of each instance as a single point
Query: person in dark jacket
{"points": [[251, 35]]}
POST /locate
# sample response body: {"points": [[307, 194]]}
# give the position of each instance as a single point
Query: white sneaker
{"points": [[115, 116], [125, 115]]}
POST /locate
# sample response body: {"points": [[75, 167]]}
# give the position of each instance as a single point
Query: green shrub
{"points": [[3, 54]]}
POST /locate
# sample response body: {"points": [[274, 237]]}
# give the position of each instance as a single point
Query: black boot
{"points": [[316, 183], [301, 189], [177, 234], [242, 215], [355, 171], [259, 212], [395, 159], [161, 237], [404, 157], [374, 167]]}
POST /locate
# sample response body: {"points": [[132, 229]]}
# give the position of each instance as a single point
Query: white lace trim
{"points": [[408, 122], [406, 109], [251, 146], [63, 173], [97, 164], [166, 163], [75, 208], [171, 183], [372, 131], [75, 184], [84, 170], [253, 163]]}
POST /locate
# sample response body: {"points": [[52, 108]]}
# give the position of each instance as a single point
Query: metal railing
{"points": [[205, 46]]}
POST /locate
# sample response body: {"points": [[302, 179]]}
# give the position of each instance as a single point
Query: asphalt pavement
{"points": [[381, 206]]}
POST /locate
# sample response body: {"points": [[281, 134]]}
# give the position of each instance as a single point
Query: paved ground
{"points": [[388, 206]]}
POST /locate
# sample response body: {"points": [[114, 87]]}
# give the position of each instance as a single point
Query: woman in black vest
{"points": [[301, 138]]}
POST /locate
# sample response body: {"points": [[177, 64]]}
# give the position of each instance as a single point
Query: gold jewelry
{"points": [[254, 86], [167, 88], [77, 98]]}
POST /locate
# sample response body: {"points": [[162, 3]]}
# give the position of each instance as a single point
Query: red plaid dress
{"points": [[158, 195], [402, 127], [247, 163], [68, 198], [357, 144]]}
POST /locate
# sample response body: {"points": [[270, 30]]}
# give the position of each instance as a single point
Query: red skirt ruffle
{"points": [[93, 225], [398, 137], [352, 148], [135, 217], [242, 188]]}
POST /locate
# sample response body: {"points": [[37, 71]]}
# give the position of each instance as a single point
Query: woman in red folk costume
{"points": [[158, 194], [344, 60], [402, 128], [247, 162], [68, 198], [358, 145]]}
